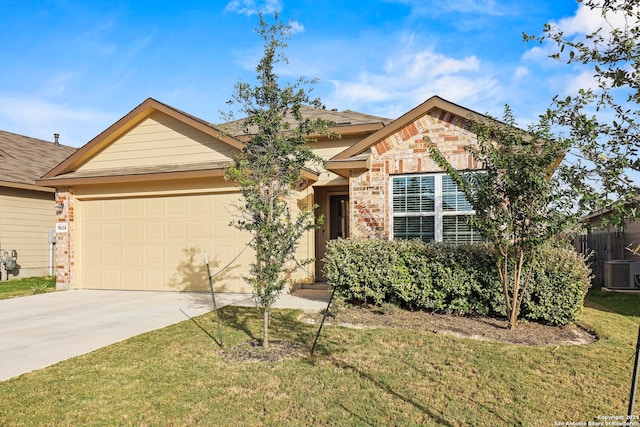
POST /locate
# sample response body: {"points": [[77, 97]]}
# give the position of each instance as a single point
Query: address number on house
{"points": [[62, 227]]}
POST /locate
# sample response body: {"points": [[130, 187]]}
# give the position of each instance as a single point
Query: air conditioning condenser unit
{"points": [[622, 274]]}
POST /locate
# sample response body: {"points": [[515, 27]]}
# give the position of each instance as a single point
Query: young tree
{"points": [[270, 166], [513, 197], [602, 122]]}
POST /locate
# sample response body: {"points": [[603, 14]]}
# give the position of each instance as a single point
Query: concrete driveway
{"points": [[40, 330]]}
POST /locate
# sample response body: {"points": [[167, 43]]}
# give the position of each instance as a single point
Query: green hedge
{"points": [[455, 279]]}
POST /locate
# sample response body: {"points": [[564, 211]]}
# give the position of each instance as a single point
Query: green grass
{"points": [[23, 287], [176, 376], [626, 304]]}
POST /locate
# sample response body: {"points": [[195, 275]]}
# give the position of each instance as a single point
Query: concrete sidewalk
{"points": [[40, 330]]}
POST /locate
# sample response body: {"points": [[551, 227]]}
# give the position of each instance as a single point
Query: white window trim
{"points": [[438, 212]]}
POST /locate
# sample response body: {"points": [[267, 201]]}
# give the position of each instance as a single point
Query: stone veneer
{"points": [[65, 260], [404, 152]]}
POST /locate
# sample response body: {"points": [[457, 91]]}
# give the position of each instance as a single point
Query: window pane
{"points": [[414, 194], [455, 229], [452, 198], [415, 227]]}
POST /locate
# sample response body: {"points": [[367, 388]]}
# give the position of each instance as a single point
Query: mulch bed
{"points": [[481, 328]]}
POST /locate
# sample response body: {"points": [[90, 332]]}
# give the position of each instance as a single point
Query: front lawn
{"points": [[385, 376], [23, 287]]}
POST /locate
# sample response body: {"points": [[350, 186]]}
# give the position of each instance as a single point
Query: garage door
{"points": [[158, 243]]}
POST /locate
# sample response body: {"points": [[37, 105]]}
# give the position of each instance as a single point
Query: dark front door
{"points": [[339, 217]]}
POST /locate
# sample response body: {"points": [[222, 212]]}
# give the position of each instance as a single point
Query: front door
{"points": [[339, 216], [335, 209]]}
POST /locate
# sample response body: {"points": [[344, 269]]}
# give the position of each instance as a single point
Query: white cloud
{"points": [[412, 78], [468, 7], [520, 73], [251, 7], [587, 20], [574, 83], [43, 118], [296, 27]]}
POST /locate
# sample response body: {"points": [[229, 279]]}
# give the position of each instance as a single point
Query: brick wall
{"points": [[404, 152], [65, 258]]}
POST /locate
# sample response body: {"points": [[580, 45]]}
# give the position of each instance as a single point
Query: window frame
{"points": [[438, 212]]}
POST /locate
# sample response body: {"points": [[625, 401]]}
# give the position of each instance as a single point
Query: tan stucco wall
{"points": [[25, 220], [159, 140]]}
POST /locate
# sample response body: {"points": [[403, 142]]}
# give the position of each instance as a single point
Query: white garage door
{"points": [[158, 243]]}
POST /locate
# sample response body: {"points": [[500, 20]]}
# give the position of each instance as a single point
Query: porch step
{"points": [[319, 286]]}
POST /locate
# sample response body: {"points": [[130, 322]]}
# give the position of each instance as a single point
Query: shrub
{"points": [[455, 279]]}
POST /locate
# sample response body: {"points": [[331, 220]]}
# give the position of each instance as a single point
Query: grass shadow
{"points": [[389, 390], [238, 318], [625, 304], [195, 322]]}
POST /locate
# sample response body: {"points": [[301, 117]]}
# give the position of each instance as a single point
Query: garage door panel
{"points": [[176, 231], [92, 232], [154, 208], [132, 256], [154, 230], [199, 230], [111, 232], [133, 208], [153, 279], [132, 279], [177, 208], [159, 243], [112, 210], [133, 231], [153, 256], [200, 206]]}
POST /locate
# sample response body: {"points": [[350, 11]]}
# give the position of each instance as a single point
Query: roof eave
{"points": [[30, 187], [344, 167], [128, 178]]}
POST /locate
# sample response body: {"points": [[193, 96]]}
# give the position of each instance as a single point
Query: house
{"points": [[145, 199], [604, 243], [27, 212]]}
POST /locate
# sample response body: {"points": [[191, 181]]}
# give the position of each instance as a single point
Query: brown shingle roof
{"points": [[340, 118], [25, 159]]}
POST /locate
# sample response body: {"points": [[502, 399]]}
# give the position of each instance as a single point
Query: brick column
{"points": [[64, 259]]}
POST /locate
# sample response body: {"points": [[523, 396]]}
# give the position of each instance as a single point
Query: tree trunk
{"points": [[265, 329]]}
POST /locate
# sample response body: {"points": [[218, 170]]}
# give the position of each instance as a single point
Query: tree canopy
{"points": [[270, 166], [602, 122]]}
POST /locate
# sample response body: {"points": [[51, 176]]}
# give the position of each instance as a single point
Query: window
{"points": [[431, 207]]}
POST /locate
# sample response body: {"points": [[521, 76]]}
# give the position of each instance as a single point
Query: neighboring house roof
{"points": [[25, 159]]}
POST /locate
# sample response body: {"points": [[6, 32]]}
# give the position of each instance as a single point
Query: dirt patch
{"points": [[482, 328]]}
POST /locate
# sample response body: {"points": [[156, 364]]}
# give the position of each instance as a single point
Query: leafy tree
{"points": [[602, 122], [270, 166], [513, 197]]}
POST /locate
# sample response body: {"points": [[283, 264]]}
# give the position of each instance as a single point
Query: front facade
{"points": [[146, 199], [27, 210], [397, 191]]}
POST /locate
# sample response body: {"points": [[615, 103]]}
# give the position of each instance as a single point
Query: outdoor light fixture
{"points": [[59, 208]]}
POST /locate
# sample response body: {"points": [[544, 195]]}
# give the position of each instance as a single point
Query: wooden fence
{"points": [[599, 248]]}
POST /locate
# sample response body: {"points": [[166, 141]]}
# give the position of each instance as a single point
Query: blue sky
{"points": [[76, 66]]}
